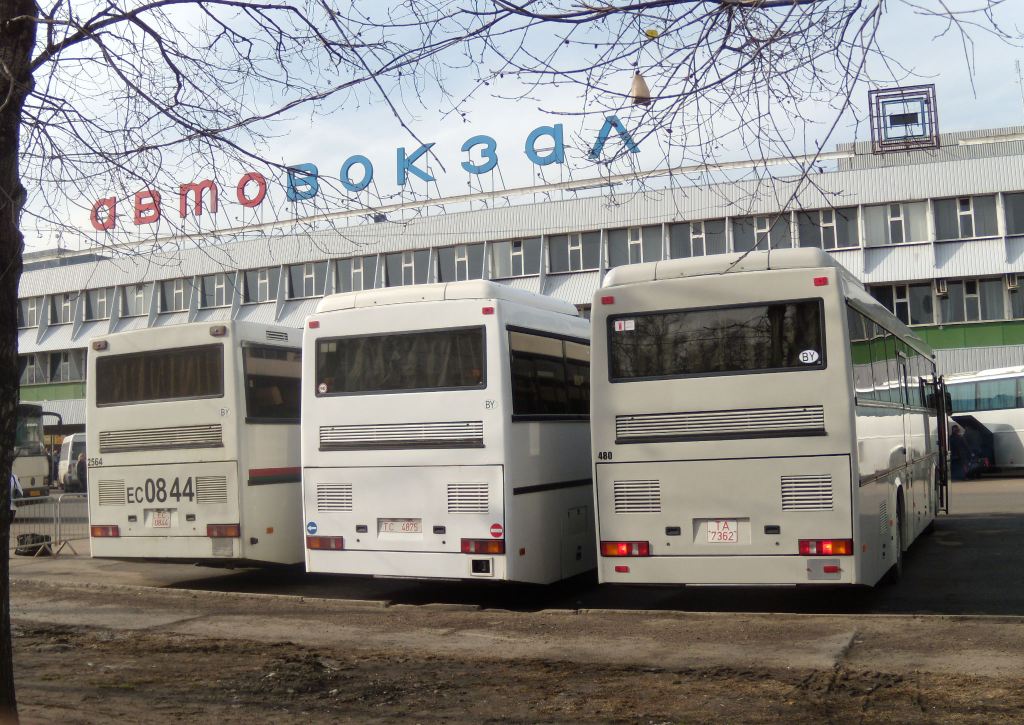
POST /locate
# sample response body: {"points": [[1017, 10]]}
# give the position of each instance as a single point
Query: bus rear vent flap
{"points": [[720, 424], [468, 498], [807, 493], [277, 335], [383, 436], [637, 497], [112, 493], [211, 489], [150, 439], [334, 497]]}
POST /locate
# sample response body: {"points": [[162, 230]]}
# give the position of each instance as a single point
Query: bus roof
{"points": [[476, 289], [991, 374], [803, 258]]}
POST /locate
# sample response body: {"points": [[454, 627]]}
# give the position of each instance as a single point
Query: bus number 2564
{"points": [[158, 491]]}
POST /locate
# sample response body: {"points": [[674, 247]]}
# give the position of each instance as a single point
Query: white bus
{"points": [[996, 399], [193, 444], [31, 465], [758, 420], [445, 435]]}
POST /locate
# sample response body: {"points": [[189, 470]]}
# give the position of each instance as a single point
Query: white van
{"points": [[71, 446]]}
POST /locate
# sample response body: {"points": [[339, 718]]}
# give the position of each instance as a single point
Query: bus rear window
{"points": [[160, 375], [273, 384], [431, 360], [718, 341]]}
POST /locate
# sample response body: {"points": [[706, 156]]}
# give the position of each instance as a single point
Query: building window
{"points": [[28, 312], [67, 366], [1016, 296], [517, 258], [357, 273], [965, 217], [62, 308], [634, 245], [828, 228], [895, 223], [911, 303], [135, 300], [307, 280], [175, 294], [98, 303], [465, 261], [757, 232], [574, 252], [216, 290], [1013, 206], [695, 239], [261, 284], [411, 267], [971, 300], [32, 369]]}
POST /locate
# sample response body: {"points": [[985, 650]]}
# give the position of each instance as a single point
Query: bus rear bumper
{"points": [[405, 564], [166, 547], [729, 570]]}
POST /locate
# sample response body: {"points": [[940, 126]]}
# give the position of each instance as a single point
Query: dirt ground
{"points": [[150, 670]]}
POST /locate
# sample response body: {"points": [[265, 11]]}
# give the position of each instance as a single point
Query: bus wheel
{"points": [[895, 572]]}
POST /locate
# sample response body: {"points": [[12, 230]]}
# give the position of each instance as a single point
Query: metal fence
{"points": [[64, 518]]}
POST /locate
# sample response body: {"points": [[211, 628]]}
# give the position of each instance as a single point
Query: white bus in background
{"points": [[445, 435], [193, 444], [758, 420], [996, 399], [30, 464]]}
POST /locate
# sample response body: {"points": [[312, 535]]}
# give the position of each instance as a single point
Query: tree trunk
{"points": [[17, 38]]}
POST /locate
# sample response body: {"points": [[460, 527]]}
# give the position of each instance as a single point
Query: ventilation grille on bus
{"points": [[468, 498], [637, 497], [112, 493], [720, 424], [211, 489], [807, 493], [456, 434], [149, 439], [883, 520], [334, 497], [277, 335]]}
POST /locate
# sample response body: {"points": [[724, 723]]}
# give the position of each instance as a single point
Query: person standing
{"points": [[82, 471]]}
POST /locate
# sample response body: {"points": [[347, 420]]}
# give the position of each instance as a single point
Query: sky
{"points": [[989, 97]]}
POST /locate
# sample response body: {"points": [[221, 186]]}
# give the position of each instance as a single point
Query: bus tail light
{"points": [[314, 324], [325, 543], [99, 345], [608, 300], [483, 546], [821, 281], [223, 531], [100, 532], [826, 547], [625, 548], [219, 330], [488, 310]]}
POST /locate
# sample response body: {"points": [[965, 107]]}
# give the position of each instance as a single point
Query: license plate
{"points": [[723, 531], [160, 520], [35, 493], [400, 526]]}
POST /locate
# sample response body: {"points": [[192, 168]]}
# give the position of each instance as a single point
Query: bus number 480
{"points": [[157, 491], [604, 455]]}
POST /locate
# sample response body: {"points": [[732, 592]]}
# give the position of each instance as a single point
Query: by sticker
{"points": [[809, 357], [322, 387]]}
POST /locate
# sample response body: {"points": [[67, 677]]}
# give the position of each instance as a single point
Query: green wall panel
{"points": [[53, 391], [973, 334]]}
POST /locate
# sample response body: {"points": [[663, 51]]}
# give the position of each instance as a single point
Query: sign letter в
{"points": [[302, 182], [147, 207]]}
